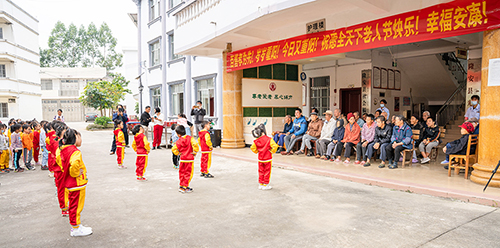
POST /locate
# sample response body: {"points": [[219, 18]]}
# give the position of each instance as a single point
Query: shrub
{"points": [[103, 120]]}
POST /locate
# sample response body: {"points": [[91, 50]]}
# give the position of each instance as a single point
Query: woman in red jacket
{"points": [[352, 137]]}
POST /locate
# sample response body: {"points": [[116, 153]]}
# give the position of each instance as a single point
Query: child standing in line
{"points": [[62, 192], [75, 180], [187, 147], [36, 142], [120, 143], [27, 139], [16, 146], [265, 147], [175, 158], [52, 145], [206, 149], [4, 150], [43, 146], [141, 146]]}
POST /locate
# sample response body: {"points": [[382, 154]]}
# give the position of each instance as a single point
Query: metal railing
{"points": [[456, 101]]}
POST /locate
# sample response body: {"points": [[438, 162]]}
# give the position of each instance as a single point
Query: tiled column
{"points": [[489, 123], [231, 104]]}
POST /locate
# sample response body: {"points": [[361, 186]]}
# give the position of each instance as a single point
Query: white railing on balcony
{"points": [[193, 10]]}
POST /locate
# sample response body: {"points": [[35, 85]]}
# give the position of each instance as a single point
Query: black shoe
{"points": [[367, 164], [202, 174], [158, 147], [208, 175], [279, 150], [393, 166], [446, 167], [154, 148], [310, 154]]}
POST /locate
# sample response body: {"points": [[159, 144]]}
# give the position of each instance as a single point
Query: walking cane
{"points": [[494, 171]]}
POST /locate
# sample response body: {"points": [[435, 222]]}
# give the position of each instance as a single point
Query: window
{"points": [[1, 33], [206, 95], [4, 110], [174, 3], [3, 73], [275, 71], [154, 50], [173, 56], [47, 84], [69, 87], [320, 93], [154, 9], [177, 96], [156, 97]]}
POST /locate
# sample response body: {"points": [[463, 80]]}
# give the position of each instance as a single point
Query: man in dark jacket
{"points": [[383, 134], [198, 112], [120, 114], [459, 146], [145, 120], [401, 139]]}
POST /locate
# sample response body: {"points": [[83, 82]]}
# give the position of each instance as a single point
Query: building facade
{"points": [[169, 80], [20, 94], [61, 89]]}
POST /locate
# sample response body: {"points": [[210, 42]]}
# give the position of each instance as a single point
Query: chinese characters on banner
{"points": [[473, 79], [269, 97], [455, 18]]}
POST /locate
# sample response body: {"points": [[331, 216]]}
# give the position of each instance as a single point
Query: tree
{"points": [[104, 95]]}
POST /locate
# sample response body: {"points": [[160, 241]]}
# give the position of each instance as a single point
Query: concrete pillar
{"points": [[489, 123], [188, 89], [218, 95], [232, 108]]}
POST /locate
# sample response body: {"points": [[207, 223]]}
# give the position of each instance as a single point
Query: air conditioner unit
{"points": [[12, 100]]}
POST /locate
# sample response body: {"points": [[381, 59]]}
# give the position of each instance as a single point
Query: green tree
{"points": [[104, 95]]}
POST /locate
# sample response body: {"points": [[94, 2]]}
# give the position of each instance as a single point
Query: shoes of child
{"points": [[141, 179], [208, 175], [266, 187], [122, 167], [64, 213], [81, 231], [45, 168], [182, 189], [188, 190]]}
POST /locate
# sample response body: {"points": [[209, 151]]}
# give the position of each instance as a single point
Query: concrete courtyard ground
{"points": [[302, 210]]}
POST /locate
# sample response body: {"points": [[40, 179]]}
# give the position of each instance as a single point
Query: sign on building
{"points": [[316, 26]]}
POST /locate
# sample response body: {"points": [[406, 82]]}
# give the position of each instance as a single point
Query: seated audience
{"points": [[400, 140], [475, 123], [360, 121], [429, 139], [364, 116], [351, 138], [279, 137], [425, 115], [367, 137], [459, 146], [338, 135], [298, 130], [326, 134], [378, 113], [383, 134], [313, 133]]}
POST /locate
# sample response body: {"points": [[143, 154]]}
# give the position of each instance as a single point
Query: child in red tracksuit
{"points": [[265, 147], [62, 192], [120, 143], [75, 180], [36, 142], [187, 147], [141, 146], [206, 149], [52, 145]]}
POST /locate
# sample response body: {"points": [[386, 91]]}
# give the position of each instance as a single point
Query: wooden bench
{"points": [[464, 161], [415, 136]]}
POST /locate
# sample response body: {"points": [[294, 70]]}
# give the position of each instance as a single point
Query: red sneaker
{"points": [[64, 213], [141, 179]]}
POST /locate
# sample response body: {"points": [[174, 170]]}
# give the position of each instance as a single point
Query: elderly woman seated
{"points": [[352, 136], [279, 137]]}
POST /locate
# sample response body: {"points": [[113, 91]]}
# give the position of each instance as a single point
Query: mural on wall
{"points": [[366, 90], [473, 79]]}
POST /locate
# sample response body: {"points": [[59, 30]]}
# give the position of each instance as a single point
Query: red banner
{"points": [[455, 18]]}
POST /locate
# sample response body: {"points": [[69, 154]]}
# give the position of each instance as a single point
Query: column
{"points": [[218, 94], [489, 123], [232, 109], [188, 88]]}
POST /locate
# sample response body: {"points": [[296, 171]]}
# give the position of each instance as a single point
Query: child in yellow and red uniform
{"points": [[187, 147], [206, 149], [4, 150], [75, 180], [265, 147], [141, 146], [36, 142], [51, 144], [62, 192], [120, 143]]}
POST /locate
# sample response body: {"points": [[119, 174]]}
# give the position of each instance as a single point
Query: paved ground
{"points": [[302, 210]]}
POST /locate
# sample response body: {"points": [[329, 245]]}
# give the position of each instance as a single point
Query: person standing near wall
{"points": [[383, 108], [59, 116], [198, 112], [157, 128]]}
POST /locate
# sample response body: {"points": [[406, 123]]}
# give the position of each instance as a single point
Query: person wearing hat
{"points": [[459, 146], [352, 136], [475, 123], [313, 133], [326, 134]]}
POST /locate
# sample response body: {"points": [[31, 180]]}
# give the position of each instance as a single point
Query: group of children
{"points": [[184, 151]]}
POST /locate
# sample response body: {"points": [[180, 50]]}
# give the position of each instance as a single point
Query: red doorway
{"points": [[350, 100]]}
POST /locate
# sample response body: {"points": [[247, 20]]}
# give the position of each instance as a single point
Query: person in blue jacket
{"points": [[401, 139], [298, 130], [338, 135]]}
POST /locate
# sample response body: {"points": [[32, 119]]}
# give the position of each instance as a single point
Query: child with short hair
{"points": [[4, 150], [43, 145], [265, 147], [120, 143], [75, 180], [52, 145], [62, 192], [174, 137], [206, 149], [16, 146], [27, 139], [187, 147], [36, 142], [141, 146]]}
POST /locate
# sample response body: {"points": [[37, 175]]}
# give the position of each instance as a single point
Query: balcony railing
{"points": [[194, 9]]}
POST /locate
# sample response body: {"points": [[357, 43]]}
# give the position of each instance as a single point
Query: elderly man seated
{"points": [[383, 134], [313, 133], [279, 137], [400, 140], [298, 130], [326, 134]]}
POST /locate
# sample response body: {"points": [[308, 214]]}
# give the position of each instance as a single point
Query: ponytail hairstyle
{"points": [[118, 122], [136, 129], [69, 137], [60, 129], [259, 130]]}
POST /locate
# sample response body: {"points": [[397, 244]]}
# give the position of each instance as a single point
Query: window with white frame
{"points": [[156, 97], [4, 110], [1, 33], [154, 50], [154, 9], [206, 94], [69, 87], [320, 93], [3, 73], [172, 55], [177, 96], [47, 84], [174, 3]]}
